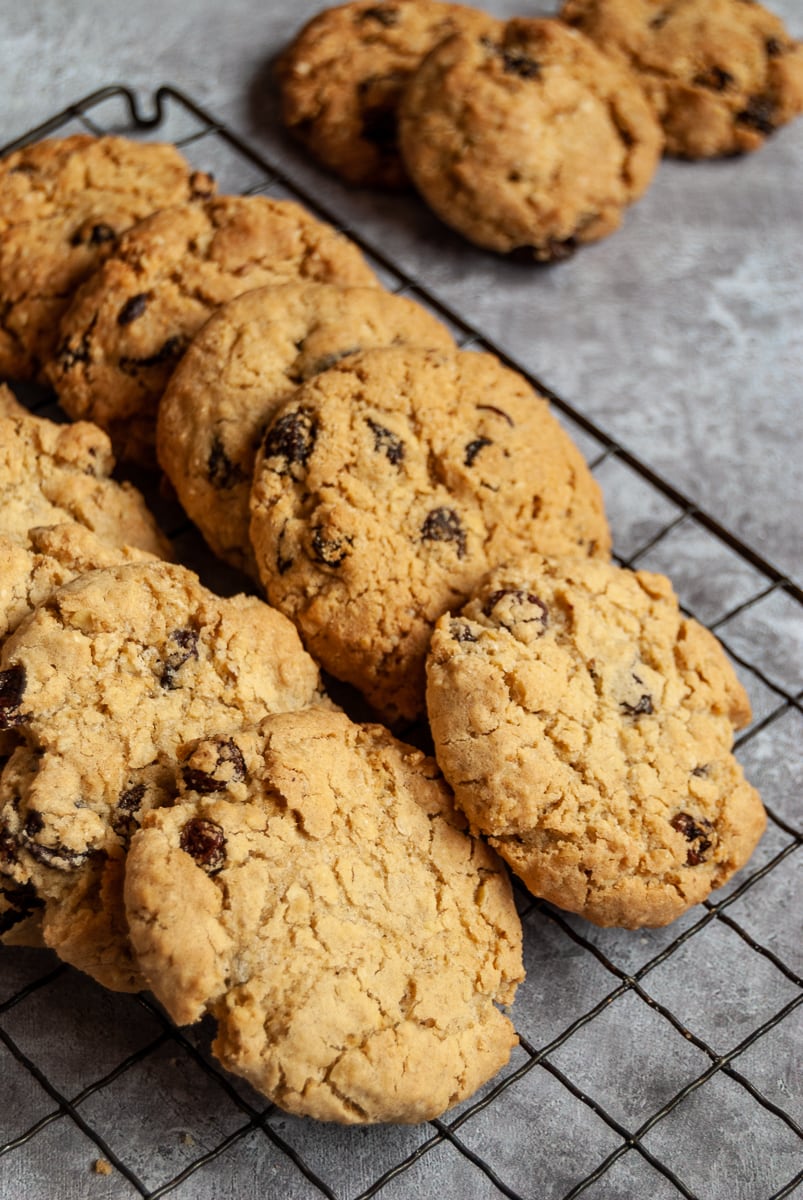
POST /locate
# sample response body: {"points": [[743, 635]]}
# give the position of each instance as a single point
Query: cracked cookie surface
{"points": [[129, 326], [102, 683], [722, 74], [388, 485], [586, 727], [63, 203], [247, 360], [315, 890], [342, 77], [51, 474], [527, 138]]}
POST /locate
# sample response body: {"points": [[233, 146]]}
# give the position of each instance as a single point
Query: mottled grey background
{"points": [[680, 336]]}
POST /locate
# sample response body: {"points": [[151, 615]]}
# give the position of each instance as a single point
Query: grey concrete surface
{"points": [[680, 337]]}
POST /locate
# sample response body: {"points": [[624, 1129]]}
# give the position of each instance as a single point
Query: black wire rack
{"points": [[643, 1057]]}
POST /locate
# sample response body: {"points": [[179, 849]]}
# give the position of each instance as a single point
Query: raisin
{"points": [[133, 308], [385, 16], [202, 185], [773, 47], [556, 250], [516, 63], [386, 442], [70, 353], [660, 19], [229, 768], [461, 632], [473, 449], [642, 705], [12, 689], [204, 841], [701, 771], [328, 550], [291, 438], [684, 823], [221, 471], [123, 819], [98, 235], [443, 525], [759, 114], [187, 642], [499, 412], [60, 857], [8, 846], [714, 78], [526, 602], [330, 360], [170, 351]]}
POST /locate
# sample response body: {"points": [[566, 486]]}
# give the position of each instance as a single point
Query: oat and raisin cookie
{"points": [[527, 138], [246, 361], [315, 890], [722, 74], [342, 77], [63, 203], [102, 683], [51, 474], [386, 488], [129, 325], [587, 728]]}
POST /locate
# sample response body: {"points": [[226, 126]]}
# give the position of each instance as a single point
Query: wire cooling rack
{"points": [[655, 1063]]}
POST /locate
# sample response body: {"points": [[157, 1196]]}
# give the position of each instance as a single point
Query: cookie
{"points": [[387, 487], [722, 74], [587, 728], [527, 138], [51, 474], [247, 360], [63, 203], [315, 890], [130, 324], [342, 78], [102, 684]]}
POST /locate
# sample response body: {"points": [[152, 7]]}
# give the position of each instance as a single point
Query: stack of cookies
{"points": [[183, 807], [533, 135]]}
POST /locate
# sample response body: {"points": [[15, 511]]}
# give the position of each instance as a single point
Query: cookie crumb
{"points": [[101, 1166], [187, 1139]]}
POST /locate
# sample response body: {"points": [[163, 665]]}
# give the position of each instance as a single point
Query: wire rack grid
{"points": [[642, 1056]]}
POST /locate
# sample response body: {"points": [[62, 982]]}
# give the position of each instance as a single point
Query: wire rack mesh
{"points": [[643, 1057]]}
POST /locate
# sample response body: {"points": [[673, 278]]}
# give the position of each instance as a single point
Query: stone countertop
{"points": [[680, 338]]}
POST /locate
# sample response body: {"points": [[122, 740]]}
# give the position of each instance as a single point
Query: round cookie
{"points": [[527, 138], [587, 729], [722, 74], [51, 474], [387, 487], [249, 358], [102, 684], [129, 325], [342, 77], [63, 203], [314, 889]]}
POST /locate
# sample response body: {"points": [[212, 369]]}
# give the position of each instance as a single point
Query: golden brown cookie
{"points": [[103, 683], [63, 203], [722, 74], [51, 474], [342, 78], [527, 138], [130, 324], [386, 488], [315, 890], [587, 729], [246, 361]]}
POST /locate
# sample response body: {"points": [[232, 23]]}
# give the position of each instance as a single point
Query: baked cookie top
{"points": [[315, 889], [526, 137], [130, 324], [63, 203], [386, 488], [342, 77], [249, 358], [51, 474], [587, 727], [722, 74], [119, 668]]}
